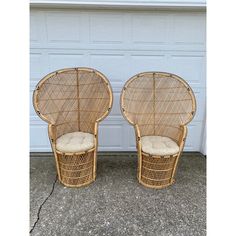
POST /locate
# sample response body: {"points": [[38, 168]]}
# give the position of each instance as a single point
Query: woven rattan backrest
{"points": [[73, 99], [158, 103]]}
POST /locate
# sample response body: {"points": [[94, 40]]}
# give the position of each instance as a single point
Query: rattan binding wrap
{"points": [[158, 103], [70, 100]]}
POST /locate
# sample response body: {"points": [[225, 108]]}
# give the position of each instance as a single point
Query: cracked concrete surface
{"points": [[116, 204]]}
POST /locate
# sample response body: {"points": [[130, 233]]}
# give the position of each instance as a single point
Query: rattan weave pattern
{"points": [[158, 103], [70, 100]]}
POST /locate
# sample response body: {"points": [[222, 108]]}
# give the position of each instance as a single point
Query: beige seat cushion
{"points": [[158, 145], [75, 142]]}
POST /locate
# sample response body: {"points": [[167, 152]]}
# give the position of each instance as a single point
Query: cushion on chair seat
{"points": [[75, 142], [158, 145]]}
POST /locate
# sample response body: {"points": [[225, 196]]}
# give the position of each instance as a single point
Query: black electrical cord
{"points": [[53, 186]]}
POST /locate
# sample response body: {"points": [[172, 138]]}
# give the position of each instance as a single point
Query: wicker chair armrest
{"points": [[96, 129], [137, 135], [52, 133], [183, 133]]}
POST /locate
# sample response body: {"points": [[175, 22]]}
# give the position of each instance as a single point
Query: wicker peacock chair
{"points": [[158, 105], [73, 101]]}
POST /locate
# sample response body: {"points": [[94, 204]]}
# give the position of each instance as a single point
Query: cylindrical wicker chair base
{"points": [[76, 170], [157, 171]]}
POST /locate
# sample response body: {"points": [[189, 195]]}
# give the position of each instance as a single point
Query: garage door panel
{"points": [[201, 103], [101, 28], [194, 135], [39, 138], [32, 111], [191, 67], [150, 29], [36, 65], [112, 65], [189, 28], [111, 136], [115, 111], [37, 33], [63, 27], [67, 60], [34, 35], [145, 62], [130, 134]]}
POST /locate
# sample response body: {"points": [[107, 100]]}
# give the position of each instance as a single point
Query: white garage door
{"points": [[119, 44]]}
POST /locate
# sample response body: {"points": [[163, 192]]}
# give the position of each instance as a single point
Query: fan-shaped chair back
{"points": [[73, 99], [159, 103]]}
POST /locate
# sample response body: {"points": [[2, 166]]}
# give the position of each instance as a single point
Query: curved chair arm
{"points": [[96, 128], [96, 132], [139, 149], [182, 137], [52, 132], [52, 136], [137, 135]]}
